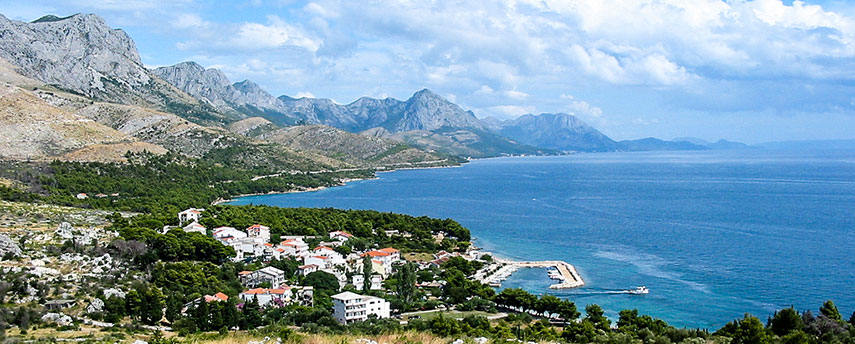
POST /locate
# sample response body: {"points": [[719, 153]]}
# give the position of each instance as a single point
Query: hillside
{"points": [[32, 129], [654, 144], [557, 131], [355, 149]]}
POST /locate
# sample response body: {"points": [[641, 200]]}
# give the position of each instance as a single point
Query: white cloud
{"points": [[275, 34], [484, 89], [514, 94], [189, 20], [305, 94], [508, 111], [581, 107]]}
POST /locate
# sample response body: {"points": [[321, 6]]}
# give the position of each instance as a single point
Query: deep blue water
{"points": [[713, 234]]}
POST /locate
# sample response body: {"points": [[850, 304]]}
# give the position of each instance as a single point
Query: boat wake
{"points": [[642, 290]]}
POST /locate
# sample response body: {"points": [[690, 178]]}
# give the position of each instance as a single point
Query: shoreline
{"points": [[569, 276], [342, 182]]}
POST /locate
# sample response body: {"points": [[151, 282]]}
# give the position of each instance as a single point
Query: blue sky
{"points": [[742, 70]]}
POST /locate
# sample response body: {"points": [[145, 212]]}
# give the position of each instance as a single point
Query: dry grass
{"points": [[242, 337], [418, 256]]}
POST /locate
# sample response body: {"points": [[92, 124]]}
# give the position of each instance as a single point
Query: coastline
{"points": [[569, 276], [341, 182]]}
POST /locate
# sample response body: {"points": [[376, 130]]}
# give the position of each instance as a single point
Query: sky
{"points": [[751, 71]]}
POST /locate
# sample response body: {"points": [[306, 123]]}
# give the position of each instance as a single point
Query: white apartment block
{"points": [[351, 307]]}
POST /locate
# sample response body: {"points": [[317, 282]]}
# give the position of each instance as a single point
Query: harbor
{"points": [[565, 273]]}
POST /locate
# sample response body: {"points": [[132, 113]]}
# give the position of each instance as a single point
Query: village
{"points": [[120, 272], [268, 285]]}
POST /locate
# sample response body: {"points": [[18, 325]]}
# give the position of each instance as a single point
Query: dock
{"points": [[496, 273], [569, 276]]}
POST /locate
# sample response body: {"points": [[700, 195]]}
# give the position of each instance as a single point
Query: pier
{"points": [[495, 274]]}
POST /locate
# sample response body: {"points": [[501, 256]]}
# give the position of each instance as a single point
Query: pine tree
{"points": [[367, 269], [407, 283], [173, 308], [829, 310]]}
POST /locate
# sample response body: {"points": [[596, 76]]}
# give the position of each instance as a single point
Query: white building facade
{"points": [[350, 307]]}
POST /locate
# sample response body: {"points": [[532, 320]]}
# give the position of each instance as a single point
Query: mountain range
{"points": [[78, 69]]}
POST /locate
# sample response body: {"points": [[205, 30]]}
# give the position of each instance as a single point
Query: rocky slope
{"points": [[354, 149], [425, 110], [81, 53], [190, 139], [32, 129], [558, 131], [213, 87]]}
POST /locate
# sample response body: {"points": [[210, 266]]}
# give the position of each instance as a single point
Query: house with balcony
{"points": [[350, 307]]}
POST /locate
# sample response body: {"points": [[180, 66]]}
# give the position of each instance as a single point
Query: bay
{"points": [[713, 234]]}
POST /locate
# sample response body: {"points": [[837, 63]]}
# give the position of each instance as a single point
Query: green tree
{"points": [[829, 309], [595, 315], [151, 309], [784, 321], [407, 283], [252, 317], [321, 280], [114, 309], [748, 330], [173, 308], [133, 304], [567, 310], [367, 269], [548, 305]]}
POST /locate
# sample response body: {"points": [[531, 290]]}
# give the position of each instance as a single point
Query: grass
{"points": [[449, 314], [418, 256], [96, 334]]}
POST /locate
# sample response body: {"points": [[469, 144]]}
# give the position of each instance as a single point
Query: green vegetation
{"points": [[150, 183], [416, 234]]}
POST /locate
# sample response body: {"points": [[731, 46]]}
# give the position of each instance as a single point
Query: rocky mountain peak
{"points": [[209, 85], [81, 53], [556, 130], [426, 94]]}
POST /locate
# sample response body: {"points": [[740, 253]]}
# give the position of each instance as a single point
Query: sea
{"points": [[712, 234]]}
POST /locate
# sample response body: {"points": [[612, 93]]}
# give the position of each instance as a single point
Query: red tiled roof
{"points": [[260, 291], [307, 266], [245, 272], [375, 254], [388, 250], [320, 257]]}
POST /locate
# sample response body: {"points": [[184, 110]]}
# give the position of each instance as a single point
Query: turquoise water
{"points": [[713, 234]]}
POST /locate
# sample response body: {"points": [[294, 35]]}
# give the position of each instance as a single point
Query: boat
{"points": [[639, 291]]}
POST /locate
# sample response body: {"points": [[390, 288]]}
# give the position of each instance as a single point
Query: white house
{"points": [[307, 269], [268, 274], [82, 196], [227, 234], [295, 247], [385, 257], [376, 281], [189, 215], [340, 236], [195, 227], [259, 231], [266, 296], [320, 261], [351, 307]]}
